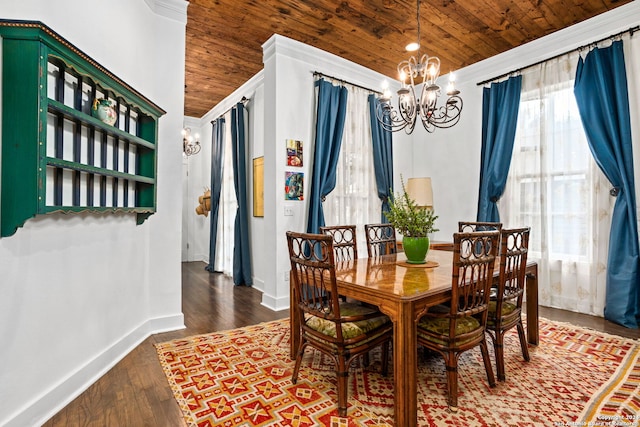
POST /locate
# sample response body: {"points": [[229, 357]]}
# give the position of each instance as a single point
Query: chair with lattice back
{"points": [[505, 307], [341, 330], [381, 239], [460, 326], [344, 241], [471, 226]]}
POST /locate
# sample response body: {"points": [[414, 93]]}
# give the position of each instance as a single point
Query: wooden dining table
{"points": [[402, 291]]}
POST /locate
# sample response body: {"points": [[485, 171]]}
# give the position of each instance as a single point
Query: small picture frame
{"points": [[294, 153], [294, 186], [258, 187]]}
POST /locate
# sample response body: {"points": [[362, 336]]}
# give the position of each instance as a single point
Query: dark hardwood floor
{"points": [[136, 393]]}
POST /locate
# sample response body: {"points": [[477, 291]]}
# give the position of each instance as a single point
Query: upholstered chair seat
{"points": [[349, 329], [440, 326]]}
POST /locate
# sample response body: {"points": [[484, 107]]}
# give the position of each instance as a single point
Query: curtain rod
{"points": [[318, 73], [244, 100], [613, 36]]}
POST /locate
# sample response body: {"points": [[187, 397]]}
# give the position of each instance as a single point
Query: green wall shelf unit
{"points": [[58, 155]]}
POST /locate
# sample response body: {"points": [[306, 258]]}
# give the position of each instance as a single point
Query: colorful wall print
{"points": [[294, 152], [294, 186]]}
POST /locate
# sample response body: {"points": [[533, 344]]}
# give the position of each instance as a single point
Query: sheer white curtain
{"points": [[555, 187], [355, 198], [228, 208]]}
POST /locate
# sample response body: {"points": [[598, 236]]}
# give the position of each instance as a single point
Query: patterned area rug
{"points": [[618, 400], [242, 377]]}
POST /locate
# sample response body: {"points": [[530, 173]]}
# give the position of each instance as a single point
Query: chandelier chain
{"points": [[418, 19]]}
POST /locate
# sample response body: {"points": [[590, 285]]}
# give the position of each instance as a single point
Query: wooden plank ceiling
{"points": [[224, 37]]}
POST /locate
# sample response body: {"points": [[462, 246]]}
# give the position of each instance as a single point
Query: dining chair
{"points": [[381, 239], [341, 330], [344, 241], [470, 226], [460, 326], [505, 307]]}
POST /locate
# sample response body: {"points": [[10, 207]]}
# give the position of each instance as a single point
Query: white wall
{"points": [[78, 292], [451, 157]]}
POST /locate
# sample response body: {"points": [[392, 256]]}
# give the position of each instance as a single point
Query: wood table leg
{"points": [[533, 333], [405, 364]]}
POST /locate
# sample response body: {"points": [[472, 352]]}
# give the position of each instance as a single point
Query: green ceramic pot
{"points": [[415, 248]]}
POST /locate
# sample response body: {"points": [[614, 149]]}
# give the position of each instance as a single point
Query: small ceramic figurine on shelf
{"points": [[104, 110]]}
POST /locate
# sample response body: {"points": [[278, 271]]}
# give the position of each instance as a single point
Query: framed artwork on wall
{"points": [[294, 153], [258, 187], [294, 186]]}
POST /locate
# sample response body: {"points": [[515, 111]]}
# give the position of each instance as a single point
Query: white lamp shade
{"points": [[419, 190]]}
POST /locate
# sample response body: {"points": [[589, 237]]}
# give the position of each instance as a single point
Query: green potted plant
{"points": [[414, 223]]}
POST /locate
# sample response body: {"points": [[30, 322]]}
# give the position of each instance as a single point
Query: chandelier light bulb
{"points": [[451, 90], [450, 87], [412, 47]]}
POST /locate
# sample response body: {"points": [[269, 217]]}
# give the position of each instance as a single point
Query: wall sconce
{"points": [[419, 189], [190, 144]]}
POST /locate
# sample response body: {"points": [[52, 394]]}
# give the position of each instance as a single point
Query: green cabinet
{"points": [[56, 155]]}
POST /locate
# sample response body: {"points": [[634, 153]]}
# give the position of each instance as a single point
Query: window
{"points": [[553, 158], [555, 187], [355, 198]]}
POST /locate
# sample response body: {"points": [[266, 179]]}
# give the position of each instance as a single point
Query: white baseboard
{"points": [[258, 284], [275, 304], [52, 401]]}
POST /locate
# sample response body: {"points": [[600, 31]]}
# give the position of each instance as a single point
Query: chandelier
{"points": [[413, 72], [190, 144]]}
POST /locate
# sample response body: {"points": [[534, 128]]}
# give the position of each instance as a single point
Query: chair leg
{"points": [[451, 362], [296, 368], [487, 362], [498, 346], [342, 374], [523, 341]]}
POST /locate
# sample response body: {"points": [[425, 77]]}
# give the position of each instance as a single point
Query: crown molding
{"points": [[172, 9], [322, 61]]}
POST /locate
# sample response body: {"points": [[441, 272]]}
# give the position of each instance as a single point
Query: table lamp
{"points": [[419, 190]]}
